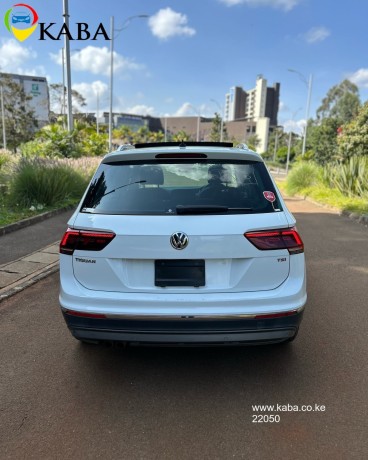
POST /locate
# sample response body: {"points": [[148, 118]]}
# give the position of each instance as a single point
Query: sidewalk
{"points": [[30, 254], [21, 273]]}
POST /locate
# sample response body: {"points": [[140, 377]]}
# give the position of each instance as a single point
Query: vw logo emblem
{"points": [[179, 240]]}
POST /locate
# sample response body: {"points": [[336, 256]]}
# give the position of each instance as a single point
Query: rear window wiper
{"points": [[208, 209], [125, 185]]}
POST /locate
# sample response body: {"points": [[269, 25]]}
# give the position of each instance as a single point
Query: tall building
{"points": [[235, 103], [253, 104], [38, 89]]}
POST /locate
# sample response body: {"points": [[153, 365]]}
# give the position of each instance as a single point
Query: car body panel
{"points": [[241, 281]]}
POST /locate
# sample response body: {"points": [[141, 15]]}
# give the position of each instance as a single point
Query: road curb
{"points": [[33, 220], [29, 281], [33, 277]]}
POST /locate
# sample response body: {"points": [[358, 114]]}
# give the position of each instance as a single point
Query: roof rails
{"points": [[184, 144], [125, 147], [242, 146]]}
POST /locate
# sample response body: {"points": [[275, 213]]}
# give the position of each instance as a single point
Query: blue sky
{"points": [[191, 51]]}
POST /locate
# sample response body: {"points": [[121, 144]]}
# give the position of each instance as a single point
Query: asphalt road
{"points": [[63, 400]]}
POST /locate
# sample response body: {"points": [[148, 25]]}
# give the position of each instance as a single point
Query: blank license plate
{"points": [[182, 272]]}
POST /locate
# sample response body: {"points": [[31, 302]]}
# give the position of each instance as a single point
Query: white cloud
{"points": [[168, 23], [97, 61], [140, 109], [189, 110], [13, 56], [286, 5], [185, 110], [317, 34], [360, 78], [283, 107], [296, 126], [90, 91]]}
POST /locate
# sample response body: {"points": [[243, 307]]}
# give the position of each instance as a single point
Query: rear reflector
{"points": [[276, 315], [84, 314], [84, 240], [277, 239]]}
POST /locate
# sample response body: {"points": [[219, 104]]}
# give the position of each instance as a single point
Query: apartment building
{"points": [[253, 104], [258, 105]]}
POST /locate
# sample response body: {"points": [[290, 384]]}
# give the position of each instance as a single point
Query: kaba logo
{"points": [[21, 20], [83, 32]]}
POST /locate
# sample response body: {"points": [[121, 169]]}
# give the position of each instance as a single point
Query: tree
{"points": [[20, 120], [57, 98], [215, 134], [322, 140], [353, 137], [253, 141], [341, 102], [181, 136]]}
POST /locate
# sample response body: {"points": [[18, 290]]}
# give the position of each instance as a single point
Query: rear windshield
{"points": [[185, 187]]}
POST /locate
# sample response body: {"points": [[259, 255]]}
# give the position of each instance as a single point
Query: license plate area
{"points": [[180, 272]]}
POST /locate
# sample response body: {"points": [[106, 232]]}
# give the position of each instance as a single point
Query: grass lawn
{"points": [[331, 197], [10, 214]]}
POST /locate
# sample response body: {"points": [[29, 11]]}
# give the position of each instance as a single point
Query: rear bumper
{"points": [[234, 330]]}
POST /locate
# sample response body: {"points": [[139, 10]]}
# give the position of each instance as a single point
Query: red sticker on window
{"points": [[270, 196]]}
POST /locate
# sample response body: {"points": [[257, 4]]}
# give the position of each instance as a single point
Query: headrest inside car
{"points": [[152, 175]]}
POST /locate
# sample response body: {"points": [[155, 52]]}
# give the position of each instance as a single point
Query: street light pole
{"points": [[112, 39], [68, 69], [308, 84], [288, 154], [64, 93], [276, 144], [222, 118], [3, 116], [111, 78], [98, 111], [307, 112], [198, 119]]}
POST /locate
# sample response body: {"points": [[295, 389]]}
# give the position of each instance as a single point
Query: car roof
{"points": [[182, 152]]}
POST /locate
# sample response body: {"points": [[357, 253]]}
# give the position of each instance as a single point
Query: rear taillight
{"points": [[277, 239], [84, 240], [82, 314]]}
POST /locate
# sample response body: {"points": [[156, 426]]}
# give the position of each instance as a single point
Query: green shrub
{"points": [[302, 175], [33, 149], [95, 144], [281, 154], [350, 178], [45, 182]]}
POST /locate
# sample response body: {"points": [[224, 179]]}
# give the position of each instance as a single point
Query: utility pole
{"points": [[3, 116], [68, 69]]}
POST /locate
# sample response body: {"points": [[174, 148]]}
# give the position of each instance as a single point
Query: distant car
{"points": [[21, 17], [185, 243]]}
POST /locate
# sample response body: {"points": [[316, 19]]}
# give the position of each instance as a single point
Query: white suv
{"points": [[185, 243]]}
